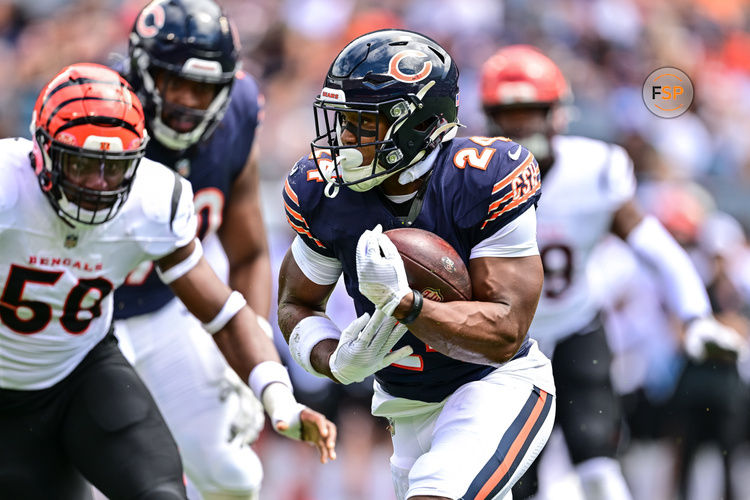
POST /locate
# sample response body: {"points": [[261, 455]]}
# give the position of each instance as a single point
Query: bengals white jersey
{"points": [[589, 181], [56, 301]]}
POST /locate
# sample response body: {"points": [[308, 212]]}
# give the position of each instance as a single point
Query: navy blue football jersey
{"points": [[477, 185], [211, 167]]}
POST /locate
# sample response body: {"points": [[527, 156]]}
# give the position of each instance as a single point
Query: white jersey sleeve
{"points": [[619, 180], [318, 268], [515, 239], [15, 152]]}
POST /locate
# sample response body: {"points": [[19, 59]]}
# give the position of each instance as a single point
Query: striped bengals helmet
{"points": [[89, 135]]}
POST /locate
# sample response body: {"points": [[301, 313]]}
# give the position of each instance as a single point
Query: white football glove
{"points": [[380, 270], [247, 423], [365, 345], [704, 331]]}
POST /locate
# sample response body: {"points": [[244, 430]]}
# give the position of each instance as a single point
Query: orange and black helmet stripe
{"points": [[100, 99]]}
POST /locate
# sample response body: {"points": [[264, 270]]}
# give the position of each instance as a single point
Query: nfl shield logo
{"points": [[71, 240]]}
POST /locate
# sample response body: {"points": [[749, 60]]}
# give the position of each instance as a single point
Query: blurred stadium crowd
{"points": [[694, 174]]}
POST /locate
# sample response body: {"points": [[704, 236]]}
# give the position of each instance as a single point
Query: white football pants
{"points": [[211, 413]]}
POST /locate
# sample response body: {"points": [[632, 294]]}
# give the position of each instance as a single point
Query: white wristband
{"points": [[232, 306], [181, 268], [266, 373], [306, 335]]}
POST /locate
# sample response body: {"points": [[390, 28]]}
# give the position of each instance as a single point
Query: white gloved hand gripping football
{"points": [[365, 347], [380, 271]]}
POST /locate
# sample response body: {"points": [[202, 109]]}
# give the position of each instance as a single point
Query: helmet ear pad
{"points": [[39, 157], [415, 134]]}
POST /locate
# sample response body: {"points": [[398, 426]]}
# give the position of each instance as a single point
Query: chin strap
{"points": [[331, 189], [421, 167]]}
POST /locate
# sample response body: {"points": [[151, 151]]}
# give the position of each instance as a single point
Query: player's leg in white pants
{"points": [[210, 412], [479, 441]]}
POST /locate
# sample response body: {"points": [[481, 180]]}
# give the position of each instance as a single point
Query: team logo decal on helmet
{"points": [[395, 71], [148, 27], [89, 136]]}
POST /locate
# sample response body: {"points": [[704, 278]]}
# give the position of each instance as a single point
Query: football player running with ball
{"points": [[202, 112], [80, 208], [589, 190], [469, 396]]}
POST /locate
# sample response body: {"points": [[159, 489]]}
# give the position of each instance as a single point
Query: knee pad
{"points": [[234, 472]]}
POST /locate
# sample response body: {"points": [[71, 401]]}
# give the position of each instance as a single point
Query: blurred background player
{"points": [[589, 190], [677, 417], [469, 397], [75, 219], [202, 112], [715, 243]]}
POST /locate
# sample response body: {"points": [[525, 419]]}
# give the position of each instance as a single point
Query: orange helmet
{"points": [[87, 121], [521, 75]]}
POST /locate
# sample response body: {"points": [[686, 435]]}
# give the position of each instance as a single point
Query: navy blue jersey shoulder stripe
{"points": [[513, 446]]}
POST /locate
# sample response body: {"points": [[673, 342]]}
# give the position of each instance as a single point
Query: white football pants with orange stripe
{"points": [[477, 442]]}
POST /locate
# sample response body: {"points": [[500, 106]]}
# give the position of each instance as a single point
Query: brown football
{"points": [[432, 265]]}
